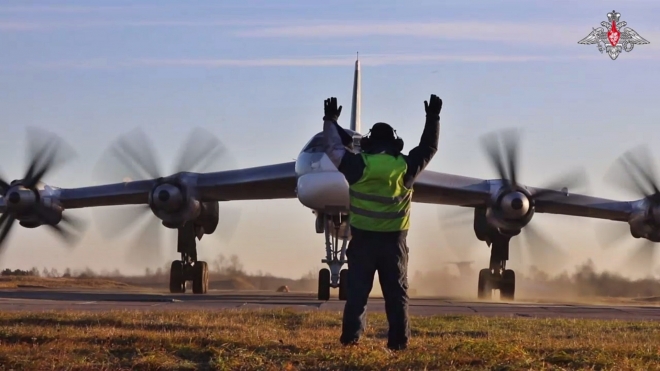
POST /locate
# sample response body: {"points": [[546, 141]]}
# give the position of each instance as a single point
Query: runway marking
{"points": [[88, 302]]}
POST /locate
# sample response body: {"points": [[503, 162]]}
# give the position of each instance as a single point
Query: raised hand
{"points": [[434, 107], [331, 112]]}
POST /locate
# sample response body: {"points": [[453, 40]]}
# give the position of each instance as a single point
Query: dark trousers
{"points": [[387, 253]]}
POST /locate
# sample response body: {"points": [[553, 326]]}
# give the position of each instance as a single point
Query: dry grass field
{"points": [[287, 340]]}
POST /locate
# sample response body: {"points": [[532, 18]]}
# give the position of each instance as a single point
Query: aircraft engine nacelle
{"points": [[645, 222], [21, 203], [175, 203], [510, 211], [209, 217]]}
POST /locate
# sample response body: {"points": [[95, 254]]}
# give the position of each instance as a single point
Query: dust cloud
{"points": [[585, 283]]}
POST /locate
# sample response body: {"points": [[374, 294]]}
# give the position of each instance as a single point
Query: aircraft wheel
{"points": [[508, 286], [177, 281], [485, 287], [343, 284], [200, 278], [324, 284]]}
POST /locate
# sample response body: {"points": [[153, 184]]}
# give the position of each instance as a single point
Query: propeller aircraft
{"points": [[189, 201]]}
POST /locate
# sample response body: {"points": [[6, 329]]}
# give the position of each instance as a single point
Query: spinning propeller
{"points": [[131, 157], [513, 204], [22, 198], [634, 171]]}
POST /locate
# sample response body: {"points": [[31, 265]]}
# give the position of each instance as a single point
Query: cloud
{"points": [[531, 33], [369, 60], [317, 61], [43, 26]]}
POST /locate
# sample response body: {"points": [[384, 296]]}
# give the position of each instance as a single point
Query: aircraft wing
{"points": [[278, 181], [581, 205], [258, 183], [447, 189]]}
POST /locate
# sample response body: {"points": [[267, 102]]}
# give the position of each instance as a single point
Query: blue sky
{"points": [[255, 73]]}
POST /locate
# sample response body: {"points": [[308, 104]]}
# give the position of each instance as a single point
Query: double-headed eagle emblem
{"points": [[613, 36]]}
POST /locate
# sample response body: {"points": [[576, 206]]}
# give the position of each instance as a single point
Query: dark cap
{"points": [[382, 131]]}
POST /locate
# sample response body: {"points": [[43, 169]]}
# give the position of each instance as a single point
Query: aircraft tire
{"points": [[343, 284], [508, 286], [485, 288], [324, 284], [177, 281], [200, 278]]}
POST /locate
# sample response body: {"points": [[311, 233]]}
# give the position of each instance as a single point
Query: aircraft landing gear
{"points": [[335, 276], [188, 268], [497, 277]]}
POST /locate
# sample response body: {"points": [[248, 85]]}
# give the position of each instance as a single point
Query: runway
{"points": [[53, 299]]}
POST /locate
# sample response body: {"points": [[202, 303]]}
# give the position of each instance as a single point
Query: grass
{"points": [[288, 340]]}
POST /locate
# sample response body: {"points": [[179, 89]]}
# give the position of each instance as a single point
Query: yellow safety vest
{"points": [[379, 200]]}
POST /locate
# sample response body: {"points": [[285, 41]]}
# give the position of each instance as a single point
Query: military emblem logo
{"points": [[613, 36]]}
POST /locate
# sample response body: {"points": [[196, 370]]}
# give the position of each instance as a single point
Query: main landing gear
{"points": [[335, 277], [188, 268], [497, 277]]}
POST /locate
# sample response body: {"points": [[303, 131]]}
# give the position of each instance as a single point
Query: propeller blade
{"points": [[457, 216], [115, 220], [610, 234], [517, 259], [458, 232], [491, 145], [145, 251], [544, 253], [130, 157], [640, 159], [46, 151], [573, 179], [633, 172], [6, 222], [642, 258], [228, 224], [70, 229], [201, 151], [510, 140], [4, 186]]}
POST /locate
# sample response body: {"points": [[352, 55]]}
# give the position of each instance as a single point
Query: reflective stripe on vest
{"points": [[375, 198], [379, 200]]}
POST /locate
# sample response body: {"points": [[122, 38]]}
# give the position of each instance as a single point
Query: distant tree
{"points": [[235, 267], [67, 273], [219, 263], [34, 272], [87, 273], [54, 272]]}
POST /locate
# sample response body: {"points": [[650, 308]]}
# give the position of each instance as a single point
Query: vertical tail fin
{"points": [[357, 95]]}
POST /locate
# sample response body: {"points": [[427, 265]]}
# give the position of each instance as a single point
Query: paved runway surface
{"points": [[52, 299]]}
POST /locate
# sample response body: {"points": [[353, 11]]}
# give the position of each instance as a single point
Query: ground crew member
{"points": [[381, 181]]}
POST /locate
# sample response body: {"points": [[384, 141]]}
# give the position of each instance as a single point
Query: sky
{"points": [[255, 74]]}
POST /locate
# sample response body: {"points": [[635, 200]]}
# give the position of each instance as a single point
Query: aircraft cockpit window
{"points": [[315, 145]]}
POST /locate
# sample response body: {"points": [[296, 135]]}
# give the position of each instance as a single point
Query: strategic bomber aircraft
{"points": [[189, 201]]}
